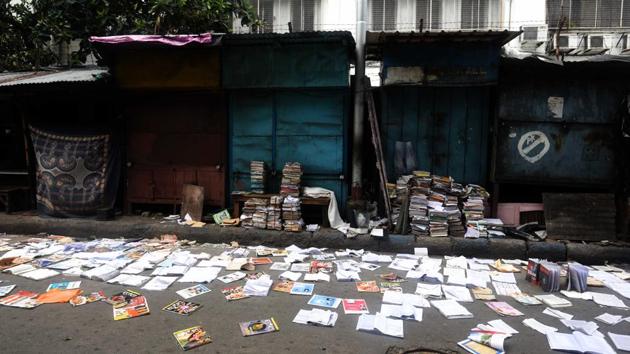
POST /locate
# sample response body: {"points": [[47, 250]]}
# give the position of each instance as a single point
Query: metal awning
{"points": [[376, 40], [53, 76]]}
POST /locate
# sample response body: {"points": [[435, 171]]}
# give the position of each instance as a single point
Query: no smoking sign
{"points": [[533, 145]]}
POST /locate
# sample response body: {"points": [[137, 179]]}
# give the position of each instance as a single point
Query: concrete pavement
{"points": [[61, 328]]}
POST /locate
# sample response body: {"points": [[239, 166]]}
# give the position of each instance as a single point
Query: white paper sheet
{"points": [[457, 293], [502, 326], [557, 314], [451, 309], [621, 341], [609, 319], [537, 326], [200, 275], [293, 276], [608, 300], [159, 283], [258, 287]]}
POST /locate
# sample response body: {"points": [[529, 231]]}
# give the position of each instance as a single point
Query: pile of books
{"points": [[292, 214], [291, 179], [249, 209], [577, 277], [476, 199], [274, 213], [259, 218], [438, 223], [258, 176], [419, 187], [549, 276]]}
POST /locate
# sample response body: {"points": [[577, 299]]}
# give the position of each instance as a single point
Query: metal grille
{"points": [[588, 13], [301, 15]]}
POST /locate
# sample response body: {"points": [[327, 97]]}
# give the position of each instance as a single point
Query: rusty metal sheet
{"points": [[580, 216]]}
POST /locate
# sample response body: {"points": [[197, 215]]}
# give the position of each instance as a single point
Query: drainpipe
{"points": [[359, 100]]}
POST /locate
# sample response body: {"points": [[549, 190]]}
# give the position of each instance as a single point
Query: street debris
{"points": [[444, 283]]}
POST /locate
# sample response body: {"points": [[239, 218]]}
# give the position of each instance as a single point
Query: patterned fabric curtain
{"points": [[74, 173]]}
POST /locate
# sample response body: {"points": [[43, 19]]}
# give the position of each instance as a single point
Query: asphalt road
{"points": [[57, 328]]}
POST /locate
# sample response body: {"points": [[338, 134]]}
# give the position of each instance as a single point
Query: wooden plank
{"points": [[580, 216], [192, 201], [378, 148]]}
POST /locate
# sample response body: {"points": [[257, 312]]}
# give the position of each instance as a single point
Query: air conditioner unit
{"points": [[533, 37]]}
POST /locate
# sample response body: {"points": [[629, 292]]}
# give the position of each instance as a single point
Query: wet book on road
{"points": [[192, 337], [181, 307], [253, 328]]}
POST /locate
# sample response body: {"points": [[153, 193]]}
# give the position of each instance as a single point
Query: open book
{"points": [[578, 342]]}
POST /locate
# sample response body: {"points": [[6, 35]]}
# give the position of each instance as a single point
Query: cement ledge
{"points": [[140, 227]]}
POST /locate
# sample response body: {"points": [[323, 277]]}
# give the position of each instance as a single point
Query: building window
{"points": [[589, 13]]}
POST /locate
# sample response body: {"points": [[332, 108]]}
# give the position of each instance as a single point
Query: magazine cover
{"points": [[64, 285], [503, 308], [283, 286], [192, 337], [122, 298], [193, 291], [320, 266], [302, 289], [367, 286], [181, 307], [23, 298], [136, 307], [235, 293], [253, 328], [390, 286], [261, 260], [325, 301], [355, 306], [280, 253]]}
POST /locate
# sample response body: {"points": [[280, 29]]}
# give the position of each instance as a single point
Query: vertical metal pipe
{"points": [[359, 100]]}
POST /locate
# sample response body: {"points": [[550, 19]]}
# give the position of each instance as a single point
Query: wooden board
{"points": [[580, 216], [192, 201]]}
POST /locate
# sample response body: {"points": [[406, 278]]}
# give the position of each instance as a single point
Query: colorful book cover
{"points": [[253, 328], [325, 301], [533, 266], [64, 285], [390, 286], [260, 260], [4, 290], [122, 298], [526, 299], [321, 266], [392, 277], [182, 307], [503, 308], [23, 298], [192, 337], [484, 294], [355, 306], [86, 299], [193, 291], [254, 276], [367, 286], [235, 293], [280, 253], [136, 307], [477, 348], [302, 289], [283, 286]]}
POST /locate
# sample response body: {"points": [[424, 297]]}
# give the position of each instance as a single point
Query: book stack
{"points": [[441, 183], [249, 208], [292, 214], [549, 276], [438, 223], [455, 225], [476, 199], [274, 213], [418, 205], [259, 218], [577, 277], [258, 176], [291, 179]]}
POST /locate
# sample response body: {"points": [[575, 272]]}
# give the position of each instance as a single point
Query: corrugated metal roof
{"points": [[307, 36], [53, 76], [376, 40]]}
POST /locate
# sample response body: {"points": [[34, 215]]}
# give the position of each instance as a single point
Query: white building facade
{"points": [[587, 27]]}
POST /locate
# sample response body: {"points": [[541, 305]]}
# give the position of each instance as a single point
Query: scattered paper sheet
{"points": [[557, 314], [502, 326], [587, 327], [457, 293], [159, 283], [609, 319], [316, 277], [200, 275], [402, 311], [608, 300], [129, 279], [316, 317], [578, 342], [258, 287], [505, 289], [382, 324], [293, 276], [621, 341], [537, 326], [451, 309]]}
